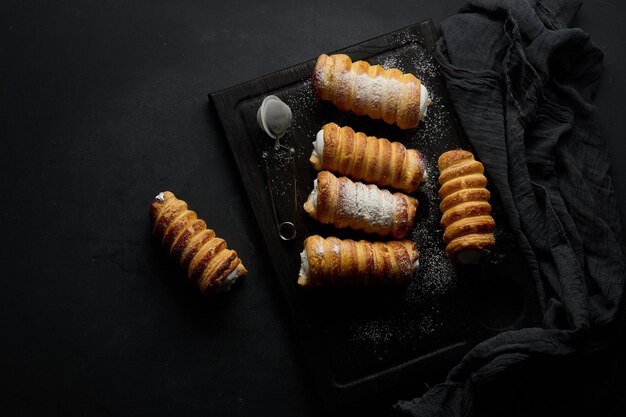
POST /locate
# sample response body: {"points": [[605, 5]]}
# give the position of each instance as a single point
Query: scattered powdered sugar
{"points": [[389, 62], [423, 308], [370, 206], [304, 106], [374, 331], [434, 128], [407, 327], [278, 166], [437, 274]]}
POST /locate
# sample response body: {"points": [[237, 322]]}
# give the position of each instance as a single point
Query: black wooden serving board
{"points": [[363, 343]]}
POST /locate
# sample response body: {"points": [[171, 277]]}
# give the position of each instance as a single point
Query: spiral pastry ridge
{"points": [[467, 221], [208, 262], [388, 94], [336, 262], [343, 203], [367, 158]]}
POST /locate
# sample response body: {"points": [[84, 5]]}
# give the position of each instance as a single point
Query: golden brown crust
{"points": [[475, 225], [467, 222], [464, 210], [461, 169], [369, 159], [204, 256], [462, 196], [344, 203], [453, 157], [469, 243], [182, 241], [462, 183], [368, 89], [317, 76], [337, 262]]}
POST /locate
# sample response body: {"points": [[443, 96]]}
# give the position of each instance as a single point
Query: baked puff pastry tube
{"points": [[337, 262], [208, 262], [370, 90], [343, 203], [467, 222], [367, 158]]}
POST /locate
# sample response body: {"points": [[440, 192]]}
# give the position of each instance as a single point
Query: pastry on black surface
{"points": [[208, 262], [467, 222], [343, 203], [388, 94], [338, 262], [367, 158]]}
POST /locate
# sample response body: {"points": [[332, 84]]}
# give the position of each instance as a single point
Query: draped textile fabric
{"points": [[522, 81]]}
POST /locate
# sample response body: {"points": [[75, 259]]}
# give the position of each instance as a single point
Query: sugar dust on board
{"points": [[280, 166], [304, 104], [422, 302], [421, 307]]}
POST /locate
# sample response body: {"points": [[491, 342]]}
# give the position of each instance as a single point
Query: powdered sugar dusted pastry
{"points": [[337, 262], [205, 257], [467, 222], [370, 90], [367, 158], [343, 203]]}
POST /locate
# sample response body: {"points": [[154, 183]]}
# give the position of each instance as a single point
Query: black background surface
{"points": [[102, 105]]}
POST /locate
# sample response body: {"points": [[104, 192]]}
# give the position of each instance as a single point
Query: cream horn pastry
{"points": [[337, 262], [343, 203], [367, 158], [208, 262], [467, 221], [371, 90]]}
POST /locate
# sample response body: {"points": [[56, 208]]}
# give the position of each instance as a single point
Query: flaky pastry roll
{"points": [[343, 203], [367, 158], [337, 262], [205, 257], [467, 222], [370, 90]]}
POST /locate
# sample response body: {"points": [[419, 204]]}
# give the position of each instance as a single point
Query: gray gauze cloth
{"points": [[521, 82]]}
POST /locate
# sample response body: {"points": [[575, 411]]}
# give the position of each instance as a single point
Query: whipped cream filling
{"points": [[318, 145], [314, 194], [229, 280], [304, 266], [416, 264], [423, 101]]}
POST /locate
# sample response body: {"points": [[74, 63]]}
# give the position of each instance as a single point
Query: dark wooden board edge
{"points": [[334, 394], [225, 101], [228, 99]]}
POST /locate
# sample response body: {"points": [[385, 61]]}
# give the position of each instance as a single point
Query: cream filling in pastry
{"points": [[314, 194], [229, 280], [423, 101], [304, 266], [318, 145]]}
